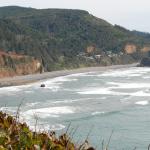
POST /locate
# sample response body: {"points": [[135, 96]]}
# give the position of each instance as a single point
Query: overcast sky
{"points": [[132, 14]]}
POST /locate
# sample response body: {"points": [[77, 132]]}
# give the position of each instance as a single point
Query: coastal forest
{"points": [[65, 38]]}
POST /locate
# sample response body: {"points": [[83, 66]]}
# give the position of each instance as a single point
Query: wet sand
{"points": [[26, 79]]}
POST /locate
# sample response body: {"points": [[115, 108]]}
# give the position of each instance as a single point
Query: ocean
{"points": [[92, 104]]}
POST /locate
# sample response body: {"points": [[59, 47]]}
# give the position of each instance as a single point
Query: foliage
{"points": [[15, 135], [51, 34]]}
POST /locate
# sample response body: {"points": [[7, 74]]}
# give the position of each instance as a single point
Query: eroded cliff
{"points": [[12, 64]]}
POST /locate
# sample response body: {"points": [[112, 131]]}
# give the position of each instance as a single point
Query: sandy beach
{"points": [[26, 79]]}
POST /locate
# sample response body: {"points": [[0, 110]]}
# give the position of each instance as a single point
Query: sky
{"points": [[132, 14]]}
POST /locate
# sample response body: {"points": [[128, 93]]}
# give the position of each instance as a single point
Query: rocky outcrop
{"points": [[145, 49], [12, 64], [130, 48], [90, 49], [145, 62]]}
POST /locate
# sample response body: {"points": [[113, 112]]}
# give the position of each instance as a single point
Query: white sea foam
{"points": [[92, 91], [100, 91], [31, 104], [132, 72], [142, 103], [9, 109], [47, 127], [146, 77], [45, 115], [28, 91], [119, 85], [86, 74], [109, 91], [70, 100], [103, 98], [64, 101], [10, 89], [140, 94], [97, 113], [126, 99], [49, 112], [77, 75], [57, 127], [59, 80]]}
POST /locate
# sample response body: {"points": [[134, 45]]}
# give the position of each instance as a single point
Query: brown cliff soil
{"points": [[130, 48], [12, 64], [145, 49]]}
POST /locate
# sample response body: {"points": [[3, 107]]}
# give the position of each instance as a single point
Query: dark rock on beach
{"points": [[145, 62], [42, 85]]}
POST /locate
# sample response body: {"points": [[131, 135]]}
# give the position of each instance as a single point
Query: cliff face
{"points": [[130, 48], [133, 48], [145, 49], [12, 64]]}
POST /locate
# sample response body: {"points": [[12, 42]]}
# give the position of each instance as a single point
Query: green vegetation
{"points": [[17, 136], [58, 36]]}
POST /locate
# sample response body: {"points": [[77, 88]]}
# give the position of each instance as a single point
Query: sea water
{"points": [[94, 104]]}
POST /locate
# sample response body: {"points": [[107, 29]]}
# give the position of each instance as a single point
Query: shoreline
{"points": [[32, 78]]}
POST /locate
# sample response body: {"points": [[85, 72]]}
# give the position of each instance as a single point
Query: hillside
{"points": [[64, 38]]}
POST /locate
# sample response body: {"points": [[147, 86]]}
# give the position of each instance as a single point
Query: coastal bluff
{"points": [[12, 64]]}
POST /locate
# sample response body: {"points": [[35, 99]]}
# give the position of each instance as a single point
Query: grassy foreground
{"points": [[15, 135]]}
